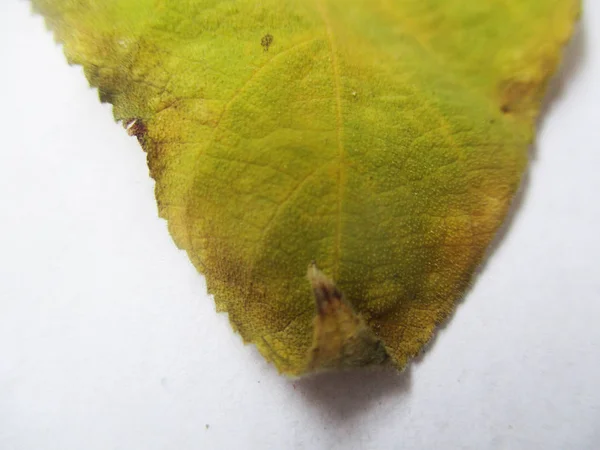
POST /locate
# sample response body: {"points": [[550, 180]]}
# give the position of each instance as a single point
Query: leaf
{"points": [[382, 139]]}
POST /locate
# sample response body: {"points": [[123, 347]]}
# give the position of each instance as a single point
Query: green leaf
{"points": [[381, 139]]}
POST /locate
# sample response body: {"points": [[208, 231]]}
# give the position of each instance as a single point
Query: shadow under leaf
{"points": [[348, 393]]}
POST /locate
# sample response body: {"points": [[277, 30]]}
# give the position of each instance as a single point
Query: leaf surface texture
{"points": [[381, 139]]}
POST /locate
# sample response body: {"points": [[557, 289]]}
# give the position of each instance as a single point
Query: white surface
{"points": [[108, 341]]}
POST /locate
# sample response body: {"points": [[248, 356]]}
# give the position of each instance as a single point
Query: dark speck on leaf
{"points": [[266, 41]]}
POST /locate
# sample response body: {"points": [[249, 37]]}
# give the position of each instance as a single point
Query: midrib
{"points": [[340, 135]]}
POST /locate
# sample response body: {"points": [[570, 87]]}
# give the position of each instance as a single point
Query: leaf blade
{"points": [[371, 137]]}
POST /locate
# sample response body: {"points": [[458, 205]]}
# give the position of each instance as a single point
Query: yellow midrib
{"points": [[340, 133]]}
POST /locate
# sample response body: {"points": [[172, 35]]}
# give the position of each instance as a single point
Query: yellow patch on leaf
{"points": [[383, 139]]}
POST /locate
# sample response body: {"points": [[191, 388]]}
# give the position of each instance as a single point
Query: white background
{"points": [[108, 340]]}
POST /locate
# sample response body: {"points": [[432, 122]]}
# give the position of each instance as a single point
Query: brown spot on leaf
{"points": [[137, 128], [519, 96], [266, 41]]}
